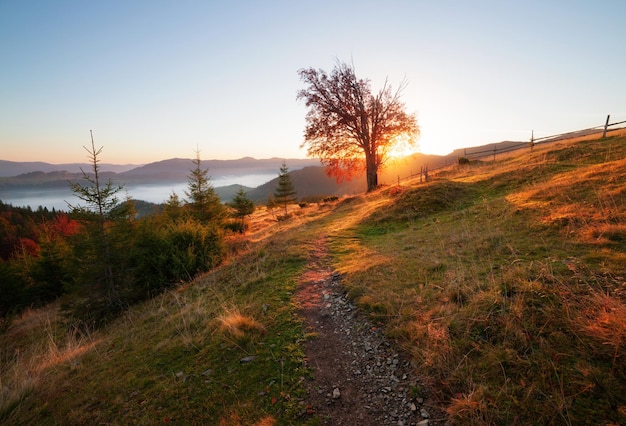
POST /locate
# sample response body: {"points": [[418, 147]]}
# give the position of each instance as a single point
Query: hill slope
{"points": [[503, 281]]}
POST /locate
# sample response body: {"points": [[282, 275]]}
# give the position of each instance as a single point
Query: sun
{"points": [[402, 147], [403, 151]]}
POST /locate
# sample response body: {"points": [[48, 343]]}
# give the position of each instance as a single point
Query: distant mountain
{"points": [[174, 169], [313, 181], [308, 182], [177, 169], [15, 168], [227, 193], [307, 175]]}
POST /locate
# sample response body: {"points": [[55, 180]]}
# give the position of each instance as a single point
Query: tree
{"points": [[285, 193], [102, 205], [173, 207], [205, 203], [243, 207], [348, 127]]}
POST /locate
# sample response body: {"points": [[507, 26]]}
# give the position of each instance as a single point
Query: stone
{"points": [[247, 359], [336, 393]]}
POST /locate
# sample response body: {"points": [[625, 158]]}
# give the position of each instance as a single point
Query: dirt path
{"points": [[359, 378]]}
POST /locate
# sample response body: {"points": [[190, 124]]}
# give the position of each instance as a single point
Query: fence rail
{"points": [[514, 146]]}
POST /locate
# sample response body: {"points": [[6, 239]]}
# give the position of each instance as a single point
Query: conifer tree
{"points": [[102, 206], [285, 192], [173, 207], [243, 207], [204, 201]]}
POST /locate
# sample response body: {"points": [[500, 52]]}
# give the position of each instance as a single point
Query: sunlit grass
{"points": [[506, 287], [504, 280], [239, 327]]}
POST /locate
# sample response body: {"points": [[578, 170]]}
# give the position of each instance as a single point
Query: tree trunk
{"points": [[371, 173]]}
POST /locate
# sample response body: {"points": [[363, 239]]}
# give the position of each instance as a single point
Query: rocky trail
{"points": [[359, 377]]}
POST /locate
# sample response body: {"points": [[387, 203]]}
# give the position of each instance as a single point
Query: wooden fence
{"points": [[577, 133], [503, 147], [497, 149]]}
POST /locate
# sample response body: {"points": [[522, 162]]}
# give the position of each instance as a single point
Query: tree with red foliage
{"points": [[63, 226], [348, 127]]}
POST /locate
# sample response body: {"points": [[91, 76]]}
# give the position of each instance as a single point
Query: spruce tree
{"points": [[102, 207], [285, 192], [205, 204], [243, 207], [172, 209]]}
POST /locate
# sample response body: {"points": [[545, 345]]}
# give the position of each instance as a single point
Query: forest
{"points": [[105, 255]]}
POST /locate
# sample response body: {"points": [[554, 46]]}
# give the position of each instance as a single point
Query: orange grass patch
{"points": [[237, 325]]}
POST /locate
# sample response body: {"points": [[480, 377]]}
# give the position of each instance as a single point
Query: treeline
{"points": [[27, 239], [102, 256]]}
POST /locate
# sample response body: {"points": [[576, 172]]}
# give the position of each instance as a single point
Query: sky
{"points": [[157, 79]]}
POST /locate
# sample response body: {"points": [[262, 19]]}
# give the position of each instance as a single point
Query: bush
{"points": [[463, 160], [164, 255]]}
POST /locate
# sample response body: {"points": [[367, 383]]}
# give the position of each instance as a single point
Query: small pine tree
{"points": [[102, 206], [285, 192], [173, 207], [204, 201], [243, 207]]}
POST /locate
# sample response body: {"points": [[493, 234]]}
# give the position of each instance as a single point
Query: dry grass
{"points": [[604, 323], [238, 327], [264, 223], [505, 282], [33, 344], [235, 420]]}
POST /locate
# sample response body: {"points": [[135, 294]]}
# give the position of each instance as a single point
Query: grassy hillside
{"points": [[505, 281]]}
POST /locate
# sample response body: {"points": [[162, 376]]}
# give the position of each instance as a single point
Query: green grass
{"points": [[503, 280], [178, 357]]}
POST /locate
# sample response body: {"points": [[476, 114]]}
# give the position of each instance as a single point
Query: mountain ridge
{"points": [[16, 168], [308, 175], [180, 166]]}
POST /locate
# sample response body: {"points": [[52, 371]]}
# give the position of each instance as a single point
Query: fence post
{"points": [[606, 125], [532, 140], [495, 149]]}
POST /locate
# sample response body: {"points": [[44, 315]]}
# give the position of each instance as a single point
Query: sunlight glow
{"points": [[403, 148]]}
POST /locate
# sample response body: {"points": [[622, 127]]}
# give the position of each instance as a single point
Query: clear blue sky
{"points": [[154, 79]]}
